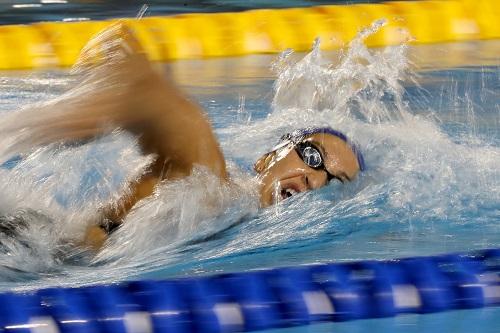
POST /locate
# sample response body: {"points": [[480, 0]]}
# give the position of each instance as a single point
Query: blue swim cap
{"points": [[299, 134]]}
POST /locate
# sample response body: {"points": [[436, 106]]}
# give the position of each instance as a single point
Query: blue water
{"points": [[427, 119]]}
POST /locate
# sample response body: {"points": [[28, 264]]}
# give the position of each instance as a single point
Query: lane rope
{"points": [[187, 36], [263, 299]]}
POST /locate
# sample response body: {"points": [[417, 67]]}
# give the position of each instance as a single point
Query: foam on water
{"points": [[420, 182]]}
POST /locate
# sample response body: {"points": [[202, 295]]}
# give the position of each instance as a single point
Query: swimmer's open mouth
{"points": [[287, 193]]}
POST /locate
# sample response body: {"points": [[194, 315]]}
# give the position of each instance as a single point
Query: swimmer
{"points": [[304, 160], [141, 100]]}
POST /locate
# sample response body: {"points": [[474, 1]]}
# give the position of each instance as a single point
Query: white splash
{"points": [[360, 84], [194, 207]]}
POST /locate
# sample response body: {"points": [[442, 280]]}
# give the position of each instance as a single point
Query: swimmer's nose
{"points": [[315, 180]]}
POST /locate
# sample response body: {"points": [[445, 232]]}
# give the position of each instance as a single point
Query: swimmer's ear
{"points": [[264, 162]]}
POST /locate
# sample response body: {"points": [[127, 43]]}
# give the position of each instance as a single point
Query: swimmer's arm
{"points": [[177, 132], [176, 129], [94, 238], [142, 101], [168, 123], [129, 93]]}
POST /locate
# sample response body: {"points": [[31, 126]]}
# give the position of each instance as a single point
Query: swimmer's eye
{"points": [[312, 157]]}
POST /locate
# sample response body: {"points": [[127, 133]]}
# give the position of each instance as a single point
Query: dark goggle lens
{"points": [[311, 156]]}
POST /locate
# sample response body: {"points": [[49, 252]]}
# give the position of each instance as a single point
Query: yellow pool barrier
{"points": [[57, 44]]}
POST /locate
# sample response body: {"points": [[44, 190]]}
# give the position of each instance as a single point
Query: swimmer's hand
{"points": [[114, 46]]}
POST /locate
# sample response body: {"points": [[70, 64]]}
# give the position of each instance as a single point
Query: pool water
{"points": [[426, 118]]}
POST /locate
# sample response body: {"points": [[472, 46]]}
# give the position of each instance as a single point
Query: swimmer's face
{"points": [[283, 172]]}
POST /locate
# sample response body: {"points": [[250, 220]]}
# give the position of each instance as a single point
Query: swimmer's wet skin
{"points": [[143, 101], [304, 160]]}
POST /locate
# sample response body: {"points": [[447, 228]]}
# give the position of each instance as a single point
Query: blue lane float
{"points": [[262, 299]]}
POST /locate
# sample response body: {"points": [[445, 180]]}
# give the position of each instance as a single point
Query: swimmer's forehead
{"points": [[301, 134], [339, 158]]}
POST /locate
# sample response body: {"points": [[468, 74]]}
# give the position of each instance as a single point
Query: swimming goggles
{"points": [[312, 157], [307, 151], [299, 135]]}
